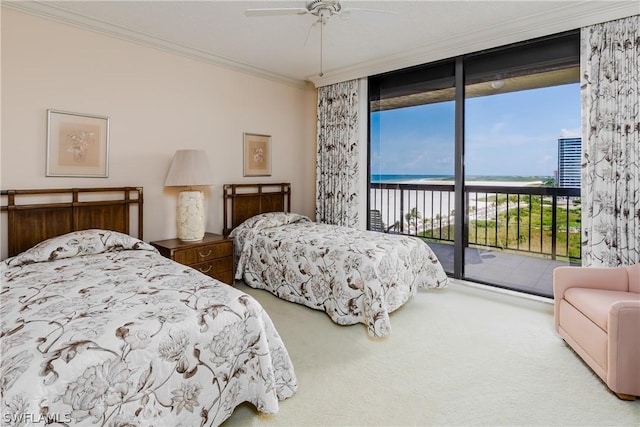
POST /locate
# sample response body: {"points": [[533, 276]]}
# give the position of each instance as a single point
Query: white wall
{"points": [[157, 102]]}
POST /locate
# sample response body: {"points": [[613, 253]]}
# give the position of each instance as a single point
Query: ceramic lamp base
{"points": [[190, 216]]}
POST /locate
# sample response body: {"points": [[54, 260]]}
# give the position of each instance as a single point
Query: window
{"points": [[441, 133]]}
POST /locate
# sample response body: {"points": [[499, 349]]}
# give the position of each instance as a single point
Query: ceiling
{"points": [[287, 48]]}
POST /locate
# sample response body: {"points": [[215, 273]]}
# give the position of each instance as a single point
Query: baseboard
{"points": [[503, 295]]}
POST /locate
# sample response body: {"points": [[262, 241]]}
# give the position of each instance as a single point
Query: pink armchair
{"points": [[597, 312]]}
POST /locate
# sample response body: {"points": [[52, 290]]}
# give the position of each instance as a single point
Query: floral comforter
{"points": [[355, 276], [97, 328]]}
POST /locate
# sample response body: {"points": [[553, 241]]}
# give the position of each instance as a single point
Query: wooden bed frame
{"points": [[242, 201], [36, 215]]}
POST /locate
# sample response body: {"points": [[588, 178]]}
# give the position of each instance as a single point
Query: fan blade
{"points": [[276, 11], [357, 9]]}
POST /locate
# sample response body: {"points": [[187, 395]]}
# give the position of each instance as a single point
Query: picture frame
{"points": [[77, 145], [257, 154]]}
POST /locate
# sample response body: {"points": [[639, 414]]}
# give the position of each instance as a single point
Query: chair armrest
{"points": [[623, 358], [610, 278]]}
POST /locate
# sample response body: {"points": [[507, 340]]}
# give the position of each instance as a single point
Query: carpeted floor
{"points": [[459, 356]]}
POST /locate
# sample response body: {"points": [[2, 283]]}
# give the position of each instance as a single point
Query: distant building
{"points": [[569, 157]]}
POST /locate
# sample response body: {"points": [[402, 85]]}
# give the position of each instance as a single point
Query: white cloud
{"points": [[571, 133], [498, 127]]}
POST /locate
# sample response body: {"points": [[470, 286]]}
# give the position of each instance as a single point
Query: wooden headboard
{"points": [[36, 215], [242, 201]]}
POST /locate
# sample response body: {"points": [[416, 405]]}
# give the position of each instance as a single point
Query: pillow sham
{"points": [[78, 243], [268, 220]]}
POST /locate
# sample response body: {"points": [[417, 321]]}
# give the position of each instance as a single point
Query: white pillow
{"points": [[78, 243], [268, 220]]}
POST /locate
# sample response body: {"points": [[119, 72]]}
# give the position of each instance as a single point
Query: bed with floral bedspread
{"points": [[355, 276], [97, 328]]}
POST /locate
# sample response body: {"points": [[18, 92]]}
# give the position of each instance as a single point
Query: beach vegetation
{"points": [[525, 226]]}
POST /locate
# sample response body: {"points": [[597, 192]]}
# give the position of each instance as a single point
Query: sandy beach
{"points": [[473, 182], [433, 206]]}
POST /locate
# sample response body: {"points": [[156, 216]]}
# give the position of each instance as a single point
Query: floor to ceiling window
{"points": [[518, 113], [412, 132]]}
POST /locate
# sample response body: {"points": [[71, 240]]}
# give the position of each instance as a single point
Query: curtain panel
{"points": [[338, 149], [610, 68]]}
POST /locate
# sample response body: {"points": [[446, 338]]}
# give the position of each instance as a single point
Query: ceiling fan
{"points": [[322, 9], [319, 8]]}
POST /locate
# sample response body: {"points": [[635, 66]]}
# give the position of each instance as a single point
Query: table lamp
{"points": [[190, 168]]}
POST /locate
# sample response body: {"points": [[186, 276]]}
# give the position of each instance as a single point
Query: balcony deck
{"points": [[517, 235], [530, 274]]}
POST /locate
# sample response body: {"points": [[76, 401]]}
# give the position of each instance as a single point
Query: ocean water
{"points": [[403, 178], [400, 178]]}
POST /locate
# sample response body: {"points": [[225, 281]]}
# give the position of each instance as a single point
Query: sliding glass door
{"points": [[521, 223], [471, 154], [412, 132]]}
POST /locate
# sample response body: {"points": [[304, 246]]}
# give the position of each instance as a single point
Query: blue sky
{"points": [[514, 133]]}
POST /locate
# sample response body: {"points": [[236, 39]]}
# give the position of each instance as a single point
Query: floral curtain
{"points": [[337, 166], [610, 66]]}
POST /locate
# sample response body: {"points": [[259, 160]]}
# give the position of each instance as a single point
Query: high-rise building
{"points": [[569, 157]]}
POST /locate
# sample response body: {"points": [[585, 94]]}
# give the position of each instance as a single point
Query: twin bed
{"points": [[96, 327], [355, 276]]}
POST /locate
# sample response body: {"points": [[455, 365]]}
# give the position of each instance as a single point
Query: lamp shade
{"points": [[189, 168]]}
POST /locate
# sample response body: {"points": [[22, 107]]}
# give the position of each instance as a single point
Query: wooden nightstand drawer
{"points": [[213, 255], [211, 268], [203, 253]]}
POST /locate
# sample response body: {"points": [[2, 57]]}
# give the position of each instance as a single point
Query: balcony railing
{"points": [[541, 221]]}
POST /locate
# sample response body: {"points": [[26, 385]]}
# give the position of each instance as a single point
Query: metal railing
{"points": [[544, 221]]}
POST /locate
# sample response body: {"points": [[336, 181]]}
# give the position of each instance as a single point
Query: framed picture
{"points": [[77, 144], [257, 155]]}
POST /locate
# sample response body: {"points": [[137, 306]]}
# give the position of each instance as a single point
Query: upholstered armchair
{"points": [[597, 312]]}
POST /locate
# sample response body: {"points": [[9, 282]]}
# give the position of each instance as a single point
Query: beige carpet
{"points": [[458, 356]]}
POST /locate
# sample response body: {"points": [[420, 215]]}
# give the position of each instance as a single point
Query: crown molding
{"points": [[56, 13], [575, 14], [529, 27]]}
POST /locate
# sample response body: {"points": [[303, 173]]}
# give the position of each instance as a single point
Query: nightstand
{"points": [[213, 255]]}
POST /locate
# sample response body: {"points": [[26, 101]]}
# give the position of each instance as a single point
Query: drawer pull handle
{"points": [[205, 270], [205, 255]]}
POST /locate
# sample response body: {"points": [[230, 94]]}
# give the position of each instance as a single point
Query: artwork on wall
{"points": [[77, 144], [257, 155]]}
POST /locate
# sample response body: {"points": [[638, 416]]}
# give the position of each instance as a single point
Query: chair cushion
{"points": [[595, 303]]}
